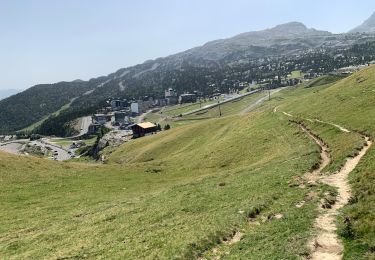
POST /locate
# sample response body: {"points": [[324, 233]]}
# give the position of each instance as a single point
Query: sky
{"points": [[47, 41]]}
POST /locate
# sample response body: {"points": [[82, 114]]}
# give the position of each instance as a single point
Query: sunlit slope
{"points": [[181, 192], [174, 194], [349, 103], [230, 142]]}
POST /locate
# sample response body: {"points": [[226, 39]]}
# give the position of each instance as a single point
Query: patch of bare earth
{"points": [[234, 239], [287, 114]]}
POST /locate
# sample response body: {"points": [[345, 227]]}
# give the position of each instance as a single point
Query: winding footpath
{"points": [[342, 129], [326, 244]]}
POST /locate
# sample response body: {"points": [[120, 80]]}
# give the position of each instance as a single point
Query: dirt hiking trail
{"points": [[325, 157], [326, 245]]}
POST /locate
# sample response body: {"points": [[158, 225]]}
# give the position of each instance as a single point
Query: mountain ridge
{"points": [[262, 38], [214, 66], [367, 26], [5, 93]]}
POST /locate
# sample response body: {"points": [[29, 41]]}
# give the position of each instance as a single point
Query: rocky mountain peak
{"points": [[292, 27], [367, 26]]}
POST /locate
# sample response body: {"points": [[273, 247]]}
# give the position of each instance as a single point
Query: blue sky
{"points": [[46, 41]]}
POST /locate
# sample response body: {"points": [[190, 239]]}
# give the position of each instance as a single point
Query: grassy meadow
{"points": [[296, 74], [180, 194], [171, 195]]}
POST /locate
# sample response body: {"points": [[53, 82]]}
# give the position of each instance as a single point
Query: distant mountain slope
{"points": [[216, 66], [367, 26], [281, 34], [30, 106], [4, 93]]}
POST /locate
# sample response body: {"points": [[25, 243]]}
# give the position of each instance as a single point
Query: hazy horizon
{"points": [[51, 41]]}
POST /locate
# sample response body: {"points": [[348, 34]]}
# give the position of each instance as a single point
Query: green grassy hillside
{"points": [[324, 80], [37, 103], [177, 193], [350, 103], [184, 193]]}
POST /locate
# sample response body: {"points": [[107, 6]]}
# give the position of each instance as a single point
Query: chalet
{"points": [[136, 108], [143, 129]]}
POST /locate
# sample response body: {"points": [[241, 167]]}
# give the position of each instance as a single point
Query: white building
{"points": [[136, 108]]}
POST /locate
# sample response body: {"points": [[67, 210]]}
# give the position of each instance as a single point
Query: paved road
{"points": [[13, 148], [63, 153], [15, 141]]}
